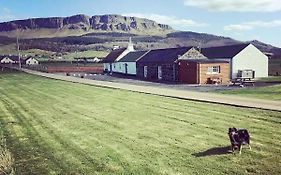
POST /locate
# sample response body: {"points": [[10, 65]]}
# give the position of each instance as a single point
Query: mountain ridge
{"points": [[81, 24]]}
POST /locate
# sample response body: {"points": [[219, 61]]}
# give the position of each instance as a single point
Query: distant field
{"points": [[55, 127], [11, 49], [68, 64], [86, 54]]}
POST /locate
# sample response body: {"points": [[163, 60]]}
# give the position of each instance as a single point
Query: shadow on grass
{"points": [[214, 151]]}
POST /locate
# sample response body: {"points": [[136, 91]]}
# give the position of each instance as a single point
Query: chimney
{"points": [[130, 45]]}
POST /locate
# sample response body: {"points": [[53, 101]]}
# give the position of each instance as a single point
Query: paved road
{"points": [[175, 93]]}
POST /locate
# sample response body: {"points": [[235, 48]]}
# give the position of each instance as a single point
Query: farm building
{"points": [[31, 61], [127, 64], [240, 57], [162, 64], [109, 62]]}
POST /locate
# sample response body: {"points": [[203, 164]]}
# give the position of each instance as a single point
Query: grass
{"points": [[267, 92], [11, 49], [86, 54], [271, 79], [55, 127]]}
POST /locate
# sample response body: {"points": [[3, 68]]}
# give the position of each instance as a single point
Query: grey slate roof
{"points": [[223, 51], [132, 56], [164, 55]]}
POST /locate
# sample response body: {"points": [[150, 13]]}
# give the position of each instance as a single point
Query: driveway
{"points": [[163, 90]]}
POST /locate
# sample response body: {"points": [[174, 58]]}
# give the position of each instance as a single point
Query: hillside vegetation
{"points": [[55, 127]]}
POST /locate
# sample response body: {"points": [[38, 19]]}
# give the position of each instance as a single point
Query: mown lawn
{"points": [[267, 92], [55, 127]]}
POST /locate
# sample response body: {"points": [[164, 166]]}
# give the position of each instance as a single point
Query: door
{"points": [[110, 67], [126, 68]]}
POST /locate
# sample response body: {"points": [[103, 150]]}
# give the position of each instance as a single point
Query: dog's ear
{"points": [[234, 129]]}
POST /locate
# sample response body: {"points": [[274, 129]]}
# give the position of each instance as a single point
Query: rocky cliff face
{"points": [[110, 23]]}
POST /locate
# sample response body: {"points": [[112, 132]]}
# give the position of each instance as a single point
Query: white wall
{"points": [[117, 67], [106, 66], [120, 67], [250, 58]]}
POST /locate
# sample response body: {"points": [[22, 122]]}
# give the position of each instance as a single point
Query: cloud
{"points": [[6, 15], [236, 5], [252, 25], [170, 20]]}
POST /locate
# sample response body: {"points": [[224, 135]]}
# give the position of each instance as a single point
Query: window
{"points": [[145, 71], [159, 72], [213, 70]]}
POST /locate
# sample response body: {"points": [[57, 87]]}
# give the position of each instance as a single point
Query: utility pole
{"points": [[18, 50]]}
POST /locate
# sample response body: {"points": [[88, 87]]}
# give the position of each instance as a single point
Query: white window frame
{"points": [[213, 70], [145, 71], [159, 72]]}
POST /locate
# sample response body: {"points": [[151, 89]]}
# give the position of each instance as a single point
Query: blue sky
{"points": [[240, 19]]}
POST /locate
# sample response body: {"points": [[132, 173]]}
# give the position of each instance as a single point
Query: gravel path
{"points": [[170, 92]]}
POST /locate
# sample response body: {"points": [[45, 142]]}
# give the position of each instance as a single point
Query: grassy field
{"points": [[267, 92], [55, 127]]}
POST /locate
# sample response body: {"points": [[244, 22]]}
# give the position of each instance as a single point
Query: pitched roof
{"points": [[132, 56], [112, 56], [164, 55], [12, 57], [223, 51]]}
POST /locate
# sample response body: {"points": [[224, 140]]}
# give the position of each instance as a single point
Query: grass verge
{"points": [[55, 127]]}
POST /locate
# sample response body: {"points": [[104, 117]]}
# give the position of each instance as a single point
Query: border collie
{"points": [[238, 137]]}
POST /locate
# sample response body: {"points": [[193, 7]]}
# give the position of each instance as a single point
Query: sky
{"points": [[242, 20]]}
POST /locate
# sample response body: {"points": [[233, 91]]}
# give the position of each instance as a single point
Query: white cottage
{"points": [[110, 61], [127, 64], [6, 60], [31, 61], [241, 57]]}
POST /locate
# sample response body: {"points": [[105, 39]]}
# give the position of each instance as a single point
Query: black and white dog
{"points": [[238, 137]]}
